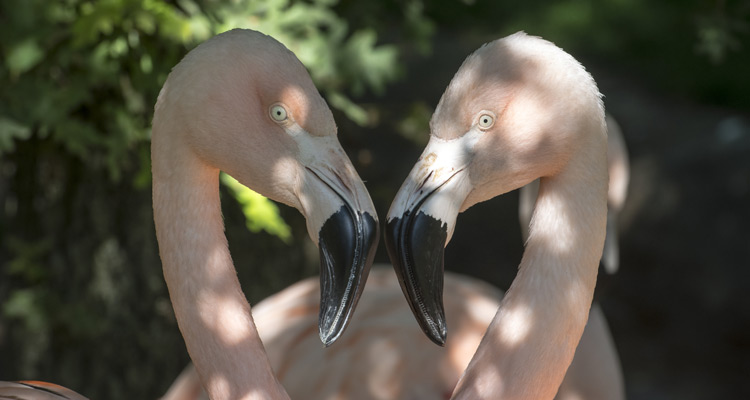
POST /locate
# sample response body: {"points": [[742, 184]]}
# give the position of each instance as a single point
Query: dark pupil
{"points": [[484, 120], [278, 112]]}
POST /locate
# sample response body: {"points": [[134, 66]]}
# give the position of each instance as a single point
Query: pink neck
{"points": [[532, 339], [212, 312]]}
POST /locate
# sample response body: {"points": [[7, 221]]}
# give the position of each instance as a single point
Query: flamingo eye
{"points": [[486, 121], [278, 113]]}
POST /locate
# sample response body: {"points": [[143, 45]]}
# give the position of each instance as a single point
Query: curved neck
{"points": [[532, 339], [211, 310]]}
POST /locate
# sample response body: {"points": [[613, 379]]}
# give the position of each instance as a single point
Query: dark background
{"points": [[82, 299]]}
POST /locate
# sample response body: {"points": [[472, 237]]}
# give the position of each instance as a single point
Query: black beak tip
{"points": [[328, 335], [437, 332], [347, 242], [415, 245]]}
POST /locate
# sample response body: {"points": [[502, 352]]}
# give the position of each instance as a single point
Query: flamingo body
{"points": [[383, 356], [36, 390], [384, 351]]}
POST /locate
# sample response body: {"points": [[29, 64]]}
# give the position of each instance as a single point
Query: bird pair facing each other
{"points": [[518, 109]]}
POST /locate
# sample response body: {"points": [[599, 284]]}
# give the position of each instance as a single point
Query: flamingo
{"points": [[518, 109], [243, 103]]}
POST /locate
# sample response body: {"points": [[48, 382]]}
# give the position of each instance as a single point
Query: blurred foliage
{"points": [[699, 48], [722, 30], [86, 73]]}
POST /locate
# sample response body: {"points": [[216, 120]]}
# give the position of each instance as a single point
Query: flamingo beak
{"points": [[420, 223], [347, 243], [341, 220]]}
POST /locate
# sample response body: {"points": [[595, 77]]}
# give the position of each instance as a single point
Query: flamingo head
{"points": [[517, 109], [244, 104]]}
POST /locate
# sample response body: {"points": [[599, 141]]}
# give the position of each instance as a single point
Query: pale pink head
{"points": [[244, 104]]}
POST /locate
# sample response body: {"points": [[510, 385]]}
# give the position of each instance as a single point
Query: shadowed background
{"points": [[82, 298]]}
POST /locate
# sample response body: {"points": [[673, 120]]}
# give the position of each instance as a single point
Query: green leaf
{"points": [[26, 262], [10, 131], [24, 304], [142, 178], [415, 124], [369, 65], [260, 212], [349, 108], [23, 56]]}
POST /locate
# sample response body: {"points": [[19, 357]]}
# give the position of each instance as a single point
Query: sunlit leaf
{"points": [[24, 304], [10, 131], [349, 108], [377, 63], [260, 212], [146, 64], [23, 57]]}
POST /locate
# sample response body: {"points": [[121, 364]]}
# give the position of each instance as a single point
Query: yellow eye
{"points": [[486, 121], [278, 113]]}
